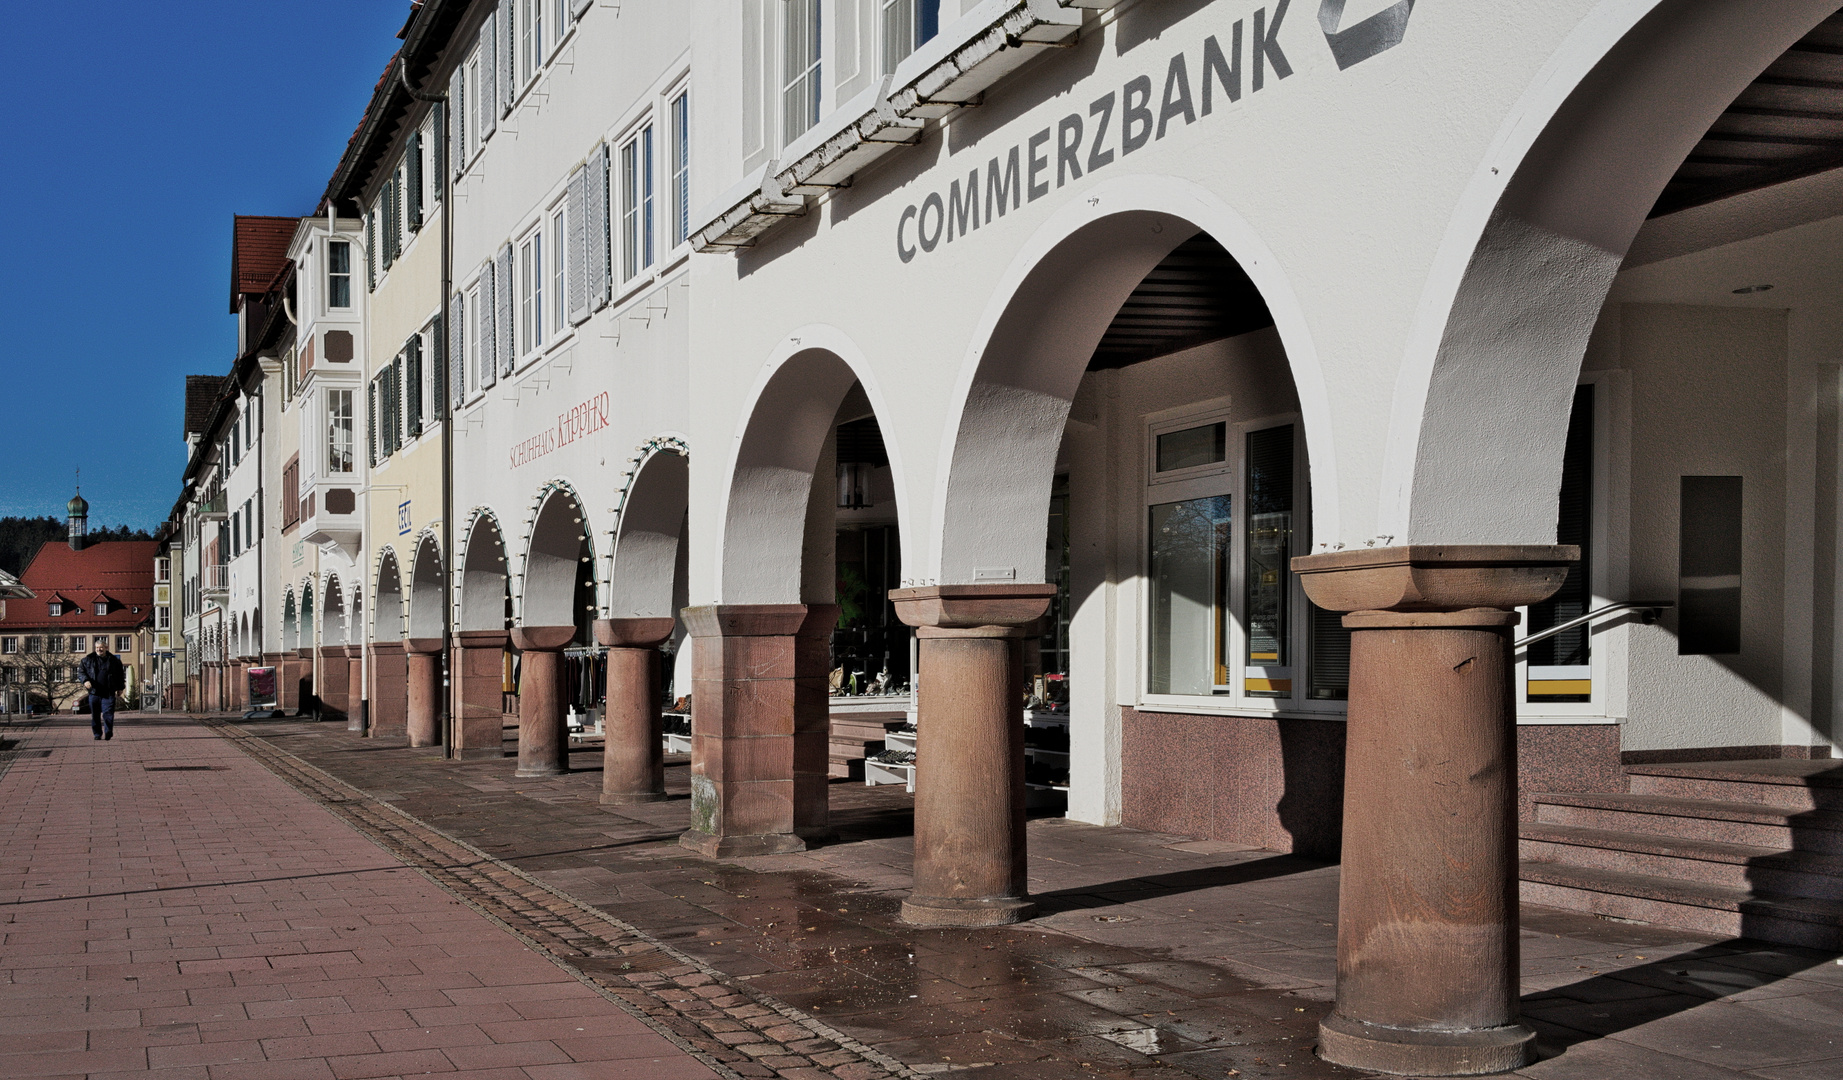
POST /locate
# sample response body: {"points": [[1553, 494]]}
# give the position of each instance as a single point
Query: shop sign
{"points": [[580, 422], [1124, 121]]}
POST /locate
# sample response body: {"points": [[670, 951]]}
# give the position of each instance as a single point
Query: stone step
{"points": [[1791, 783], [1776, 828], [1704, 908], [1710, 862]]}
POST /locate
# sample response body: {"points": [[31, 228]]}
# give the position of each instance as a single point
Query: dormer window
{"points": [[102, 607], [54, 609]]}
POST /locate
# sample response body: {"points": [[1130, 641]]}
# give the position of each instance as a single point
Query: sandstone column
{"points": [[423, 695], [355, 688], [543, 744], [633, 751], [388, 691], [1427, 904], [969, 768], [333, 683], [287, 692], [302, 681], [479, 694], [760, 724]]}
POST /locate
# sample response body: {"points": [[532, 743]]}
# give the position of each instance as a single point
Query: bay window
{"points": [[339, 432]]}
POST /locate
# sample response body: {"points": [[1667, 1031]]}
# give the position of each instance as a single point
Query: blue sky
{"points": [[137, 130]]}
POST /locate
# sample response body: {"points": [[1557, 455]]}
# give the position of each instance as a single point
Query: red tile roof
{"points": [[117, 570], [258, 252]]}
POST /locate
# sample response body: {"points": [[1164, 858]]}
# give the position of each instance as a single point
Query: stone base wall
{"points": [[1279, 783]]}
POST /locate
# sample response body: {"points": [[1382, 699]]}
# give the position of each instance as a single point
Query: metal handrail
{"points": [[1651, 608]]}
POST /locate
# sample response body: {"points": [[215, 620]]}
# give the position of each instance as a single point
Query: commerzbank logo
{"points": [[1198, 84]]}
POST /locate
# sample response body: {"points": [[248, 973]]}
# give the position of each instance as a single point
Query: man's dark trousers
{"points": [[102, 715]]}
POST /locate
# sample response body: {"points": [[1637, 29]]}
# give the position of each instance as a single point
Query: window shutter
{"points": [[489, 335], [387, 211], [575, 280], [438, 371], [371, 249], [489, 81], [506, 348], [596, 225], [449, 134], [582, 7], [457, 351], [413, 183], [412, 387], [371, 420], [396, 403], [508, 55]]}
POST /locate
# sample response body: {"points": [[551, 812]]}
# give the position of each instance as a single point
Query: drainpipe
{"points": [[447, 405]]}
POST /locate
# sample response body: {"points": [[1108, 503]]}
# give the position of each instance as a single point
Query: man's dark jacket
{"points": [[103, 673]]}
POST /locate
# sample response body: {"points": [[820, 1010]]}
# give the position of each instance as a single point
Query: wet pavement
{"points": [[1156, 955]]}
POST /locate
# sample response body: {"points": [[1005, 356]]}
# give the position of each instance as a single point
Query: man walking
{"points": [[102, 675]]}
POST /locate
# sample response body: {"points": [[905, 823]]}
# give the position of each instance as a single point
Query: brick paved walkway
{"points": [[170, 905]]}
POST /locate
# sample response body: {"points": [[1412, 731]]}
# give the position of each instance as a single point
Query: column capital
{"points": [[963, 607], [634, 633], [761, 620], [542, 638], [482, 639], [423, 646], [1435, 577], [387, 646]]}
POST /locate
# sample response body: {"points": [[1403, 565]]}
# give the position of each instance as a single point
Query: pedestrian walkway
{"points": [[170, 907]]}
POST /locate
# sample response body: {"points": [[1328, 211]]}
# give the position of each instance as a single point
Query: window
{"points": [[471, 344], [100, 639], [54, 609], [678, 184], [339, 432], [163, 618], [531, 43], [559, 242], [637, 203], [124, 643], [1225, 615], [77, 644], [339, 274], [1560, 668], [799, 67], [102, 607], [35, 645], [9, 646], [906, 25], [470, 124], [531, 292]]}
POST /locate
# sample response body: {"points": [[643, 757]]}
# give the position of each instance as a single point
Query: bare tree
{"points": [[47, 667]]}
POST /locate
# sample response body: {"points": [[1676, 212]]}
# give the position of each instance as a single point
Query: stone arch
{"points": [[1480, 410], [307, 615], [482, 601], [1030, 353], [558, 568], [255, 638], [427, 592], [648, 534], [776, 545], [290, 623], [387, 622]]}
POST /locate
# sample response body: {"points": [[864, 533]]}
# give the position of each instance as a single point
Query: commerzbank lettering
{"points": [[1121, 122]]}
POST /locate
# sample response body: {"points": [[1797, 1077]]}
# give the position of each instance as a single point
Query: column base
{"points": [[731, 847], [1410, 1052], [476, 753], [529, 772], [956, 911], [626, 798]]}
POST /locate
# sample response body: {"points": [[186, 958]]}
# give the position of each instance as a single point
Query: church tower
{"points": [[77, 515]]}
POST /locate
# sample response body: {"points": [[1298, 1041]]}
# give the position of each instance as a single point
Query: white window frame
{"points": [[471, 315], [1228, 477], [678, 164], [634, 171], [340, 432], [909, 11], [333, 276], [809, 80], [529, 270], [556, 272]]}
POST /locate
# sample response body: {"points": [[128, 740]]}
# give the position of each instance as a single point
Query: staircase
{"points": [[1732, 848], [854, 738]]}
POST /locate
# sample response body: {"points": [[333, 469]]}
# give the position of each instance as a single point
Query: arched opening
{"points": [[333, 680], [646, 590], [779, 583], [387, 679], [426, 645], [291, 630], [558, 664], [483, 668]]}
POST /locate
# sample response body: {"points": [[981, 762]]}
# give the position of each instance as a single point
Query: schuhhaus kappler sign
{"points": [[579, 422], [1122, 121]]}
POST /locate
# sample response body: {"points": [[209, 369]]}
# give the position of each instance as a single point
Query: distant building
{"points": [[70, 595]]}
